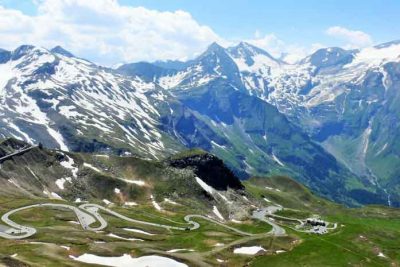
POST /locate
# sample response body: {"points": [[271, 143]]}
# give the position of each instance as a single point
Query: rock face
{"points": [[210, 169]]}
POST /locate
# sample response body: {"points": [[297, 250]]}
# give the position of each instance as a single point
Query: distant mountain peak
{"points": [[215, 55], [24, 48], [22, 51], [251, 50], [250, 47], [245, 55], [387, 44], [217, 60], [214, 48], [244, 45], [60, 50], [215, 45], [330, 56], [170, 64], [4, 55]]}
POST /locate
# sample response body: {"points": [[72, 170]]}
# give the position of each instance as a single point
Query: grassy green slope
{"points": [[362, 234]]}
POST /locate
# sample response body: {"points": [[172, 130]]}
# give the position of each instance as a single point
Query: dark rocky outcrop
{"points": [[210, 169]]}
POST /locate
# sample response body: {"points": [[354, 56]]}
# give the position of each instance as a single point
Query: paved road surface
{"points": [[188, 219], [19, 232], [88, 214], [17, 153], [261, 215]]}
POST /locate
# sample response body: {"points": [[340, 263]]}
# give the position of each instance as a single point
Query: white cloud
{"points": [[352, 38], [296, 53], [108, 33], [290, 53], [268, 42], [105, 31]]}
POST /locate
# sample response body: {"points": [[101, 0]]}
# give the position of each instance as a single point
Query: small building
{"points": [[315, 222]]}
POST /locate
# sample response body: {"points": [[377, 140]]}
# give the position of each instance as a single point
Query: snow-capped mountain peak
{"points": [[61, 51], [246, 49], [53, 97], [214, 63], [328, 57], [253, 59], [213, 48], [380, 54]]}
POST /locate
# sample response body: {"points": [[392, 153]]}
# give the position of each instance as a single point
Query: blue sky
{"points": [[295, 21], [280, 26]]}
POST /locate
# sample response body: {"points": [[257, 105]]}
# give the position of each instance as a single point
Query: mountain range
{"points": [[330, 121]]}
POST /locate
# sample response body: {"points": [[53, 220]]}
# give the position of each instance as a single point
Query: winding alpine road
{"points": [[261, 215], [88, 214], [16, 153]]}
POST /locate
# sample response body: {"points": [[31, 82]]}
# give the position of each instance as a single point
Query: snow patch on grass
{"points": [[123, 238], [217, 213], [381, 255], [137, 231], [69, 164], [248, 250], [205, 186], [130, 203], [60, 182], [155, 204], [136, 182], [55, 195], [127, 260], [170, 201], [107, 202], [277, 160], [179, 250]]}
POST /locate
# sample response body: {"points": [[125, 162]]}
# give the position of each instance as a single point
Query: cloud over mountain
{"points": [[352, 38], [106, 31]]}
